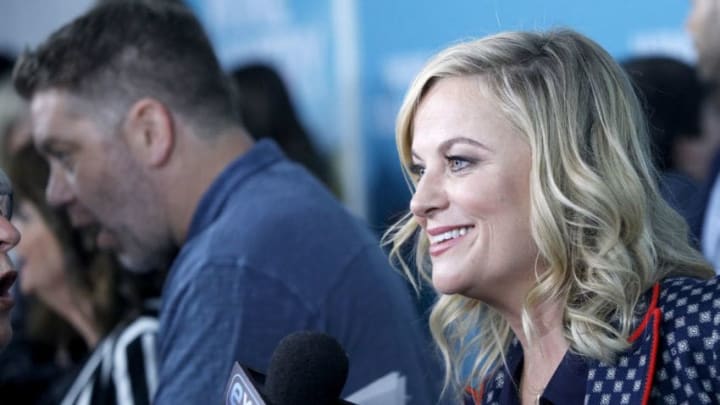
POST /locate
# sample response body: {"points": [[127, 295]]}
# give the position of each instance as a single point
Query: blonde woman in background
{"points": [[537, 216]]}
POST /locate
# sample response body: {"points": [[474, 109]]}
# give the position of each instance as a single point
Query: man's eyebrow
{"points": [[49, 144]]}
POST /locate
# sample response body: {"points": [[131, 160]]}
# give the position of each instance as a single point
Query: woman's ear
{"points": [[149, 132]]}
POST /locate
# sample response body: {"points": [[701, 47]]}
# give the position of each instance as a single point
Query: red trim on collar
{"points": [[657, 315], [654, 314], [653, 305], [476, 395]]}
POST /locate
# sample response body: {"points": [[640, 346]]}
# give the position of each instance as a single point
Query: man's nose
{"points": [[57, 191]]}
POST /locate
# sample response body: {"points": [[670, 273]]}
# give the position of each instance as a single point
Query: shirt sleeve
{"points": [[226, 313]]}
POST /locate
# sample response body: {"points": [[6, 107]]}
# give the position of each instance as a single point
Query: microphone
{"points": [[305, 368]]}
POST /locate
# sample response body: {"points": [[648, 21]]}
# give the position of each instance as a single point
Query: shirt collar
{"points": [[566, 386], [263, 153]]}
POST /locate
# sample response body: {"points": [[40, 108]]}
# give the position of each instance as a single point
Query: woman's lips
{"points": [[7, 280], [444, 238]]}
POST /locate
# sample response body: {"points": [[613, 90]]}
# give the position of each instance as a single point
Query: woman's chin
{"points": [[449, 282]]}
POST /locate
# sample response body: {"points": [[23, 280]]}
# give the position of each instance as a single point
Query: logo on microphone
{"points": [[240, 390], [237, 394]]}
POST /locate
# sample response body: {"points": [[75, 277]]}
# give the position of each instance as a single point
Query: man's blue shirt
{"points": [[269, 251]]}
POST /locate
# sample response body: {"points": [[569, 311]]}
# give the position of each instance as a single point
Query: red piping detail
{"points": [[476, 395], [653, 304], [655, 314]]}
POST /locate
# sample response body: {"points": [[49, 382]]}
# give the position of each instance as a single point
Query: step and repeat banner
{"points": [[348, 63]]}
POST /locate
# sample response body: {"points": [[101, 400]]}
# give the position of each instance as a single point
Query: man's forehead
{"points": [[61, 103], [47, 104], [54, 112], [46, 109]]}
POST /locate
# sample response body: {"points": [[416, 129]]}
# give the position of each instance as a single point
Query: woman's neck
{"points": [[542, 352]]}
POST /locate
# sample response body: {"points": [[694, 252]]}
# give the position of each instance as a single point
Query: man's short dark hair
{"points": [[120, 52]]}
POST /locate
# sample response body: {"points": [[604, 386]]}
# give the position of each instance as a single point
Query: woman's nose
{"points": [[429, 196]]}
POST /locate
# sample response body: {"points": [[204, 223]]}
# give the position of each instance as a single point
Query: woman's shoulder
{"points": [[690, 305], [135, 329], [124, 359], [136, 335], [143, 326], [682, 292]]}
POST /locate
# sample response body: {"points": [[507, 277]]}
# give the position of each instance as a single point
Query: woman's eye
{"points": [[457, 163], [417, 171]]}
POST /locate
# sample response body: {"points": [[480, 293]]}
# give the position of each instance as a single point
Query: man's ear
{"points": [[150, 132]]}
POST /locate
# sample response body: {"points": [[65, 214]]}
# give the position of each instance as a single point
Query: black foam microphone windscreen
{"points": [[307, 368]]}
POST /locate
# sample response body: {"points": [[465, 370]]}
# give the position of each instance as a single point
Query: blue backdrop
{"points": [[349, 62]]}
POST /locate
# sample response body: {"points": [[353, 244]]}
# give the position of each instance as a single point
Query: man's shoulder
{"points": [[297, 247], [281, 210]]}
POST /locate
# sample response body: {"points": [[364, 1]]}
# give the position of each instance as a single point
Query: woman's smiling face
{"points": [[472, 200]]}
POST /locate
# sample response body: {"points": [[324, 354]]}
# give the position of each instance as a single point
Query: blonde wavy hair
{"points": [[597, 218]]}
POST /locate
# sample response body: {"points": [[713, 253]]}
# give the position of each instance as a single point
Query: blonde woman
{"points": [[562, 272]]}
